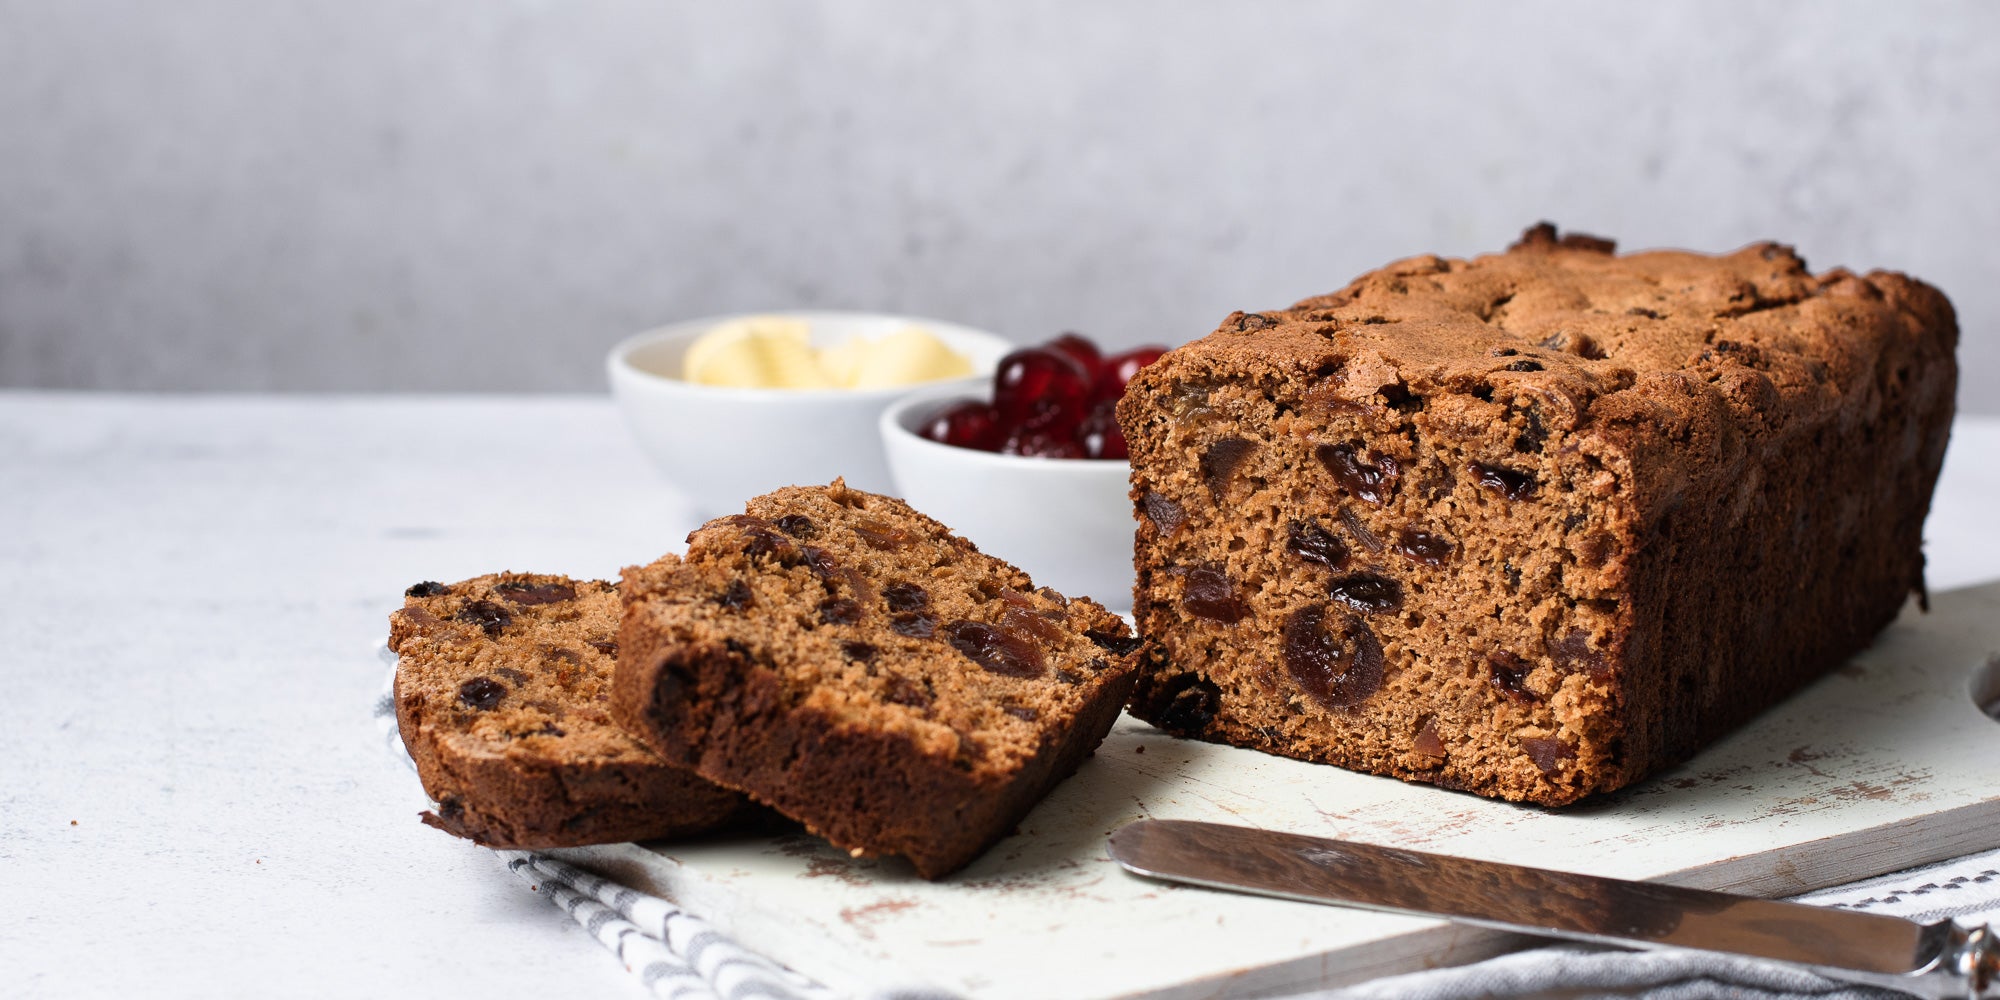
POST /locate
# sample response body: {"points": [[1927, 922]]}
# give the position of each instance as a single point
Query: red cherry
{"points": [[1037, 388], [1118, 369], [965, 424], [1081, 350], [1100, 435], [1042, 442]]}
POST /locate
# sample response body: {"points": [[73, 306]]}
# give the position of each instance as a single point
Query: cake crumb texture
{"points": [[1535, 524], [848, 661], [502, 697]]}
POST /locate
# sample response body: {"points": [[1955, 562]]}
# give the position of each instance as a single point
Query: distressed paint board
{"points": [[1884, 764]]}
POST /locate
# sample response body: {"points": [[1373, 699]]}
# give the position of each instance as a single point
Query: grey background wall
{"points": [[482, 195]]}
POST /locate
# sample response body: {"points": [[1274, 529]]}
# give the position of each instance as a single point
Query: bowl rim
{"points": [[892, 427], [619, 366]]}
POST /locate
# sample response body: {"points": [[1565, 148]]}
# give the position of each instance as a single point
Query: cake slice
{"points": [[851, 663], [502, 690], [1536, 524]]}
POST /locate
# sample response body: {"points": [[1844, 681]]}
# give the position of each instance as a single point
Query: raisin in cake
{"points": [[502, 685], [1535, 524], [851, 663]]}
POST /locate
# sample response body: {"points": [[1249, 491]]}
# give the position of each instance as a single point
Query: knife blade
{"points": [[1939, 960]]}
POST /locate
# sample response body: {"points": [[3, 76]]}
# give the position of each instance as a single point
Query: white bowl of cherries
{"points": [[1034, 469]]}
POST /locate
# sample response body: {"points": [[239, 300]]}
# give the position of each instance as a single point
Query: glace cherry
{"points": [[1052, 401]]}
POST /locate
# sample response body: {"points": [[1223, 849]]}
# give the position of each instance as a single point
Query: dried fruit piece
{"points": [[905, 596], [1220, 462], [1165, 514], [1427, 743], [996, 650], [859, 652], [882, 536], [1309, 541], [1548, 754], [1117, 645], [1027, 622], [798, 526], [833, 573], [1594, 549], [1191, 702], [914, 624], [535, 593], [1188, 397], [490, 617], [428, 588], [839, 611], [481, 693], [1534, 433], [1212, 595], [1359, 530], [735, 597], [1018, 598], [1336, 663], [822, 562], [1510, 674], [1372, 480], [1424, 547], [1510, 483], [1572, 653], [1370, 592], [420, 621], [761, 539]]}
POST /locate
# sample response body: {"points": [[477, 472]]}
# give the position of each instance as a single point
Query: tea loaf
{"points": [[501, 691], [1535, 524], [851, 663]]}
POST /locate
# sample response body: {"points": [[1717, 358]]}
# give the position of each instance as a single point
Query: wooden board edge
{"points": [[1851, 856]]}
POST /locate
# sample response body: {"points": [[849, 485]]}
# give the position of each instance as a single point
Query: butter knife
{"points": [[1935, 960]]}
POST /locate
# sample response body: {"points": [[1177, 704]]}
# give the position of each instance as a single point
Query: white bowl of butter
{"points": [[734, 406]]}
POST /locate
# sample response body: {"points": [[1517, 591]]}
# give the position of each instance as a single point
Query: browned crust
{"points": [[1768, 441], [504, 804], [865, 791]]}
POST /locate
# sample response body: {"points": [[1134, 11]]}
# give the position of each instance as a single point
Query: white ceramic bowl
{"points": [[1067, 522], [722, 446]]}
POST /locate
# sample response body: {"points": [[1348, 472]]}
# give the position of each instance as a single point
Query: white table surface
{"points": [[193, 800]]}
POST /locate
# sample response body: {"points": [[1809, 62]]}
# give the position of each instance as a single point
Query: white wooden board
{"points": [[1887, 763]]}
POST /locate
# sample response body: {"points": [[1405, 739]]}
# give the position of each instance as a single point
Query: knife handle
{"points": [[1972, 957]]}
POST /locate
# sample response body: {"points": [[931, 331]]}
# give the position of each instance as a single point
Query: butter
{"points": [[775, 352]]}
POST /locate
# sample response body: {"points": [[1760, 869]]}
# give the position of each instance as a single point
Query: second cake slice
{"points": [[853, 664]]}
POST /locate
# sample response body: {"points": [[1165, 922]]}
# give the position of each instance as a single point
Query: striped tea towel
{"points": [[673, 953]]}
